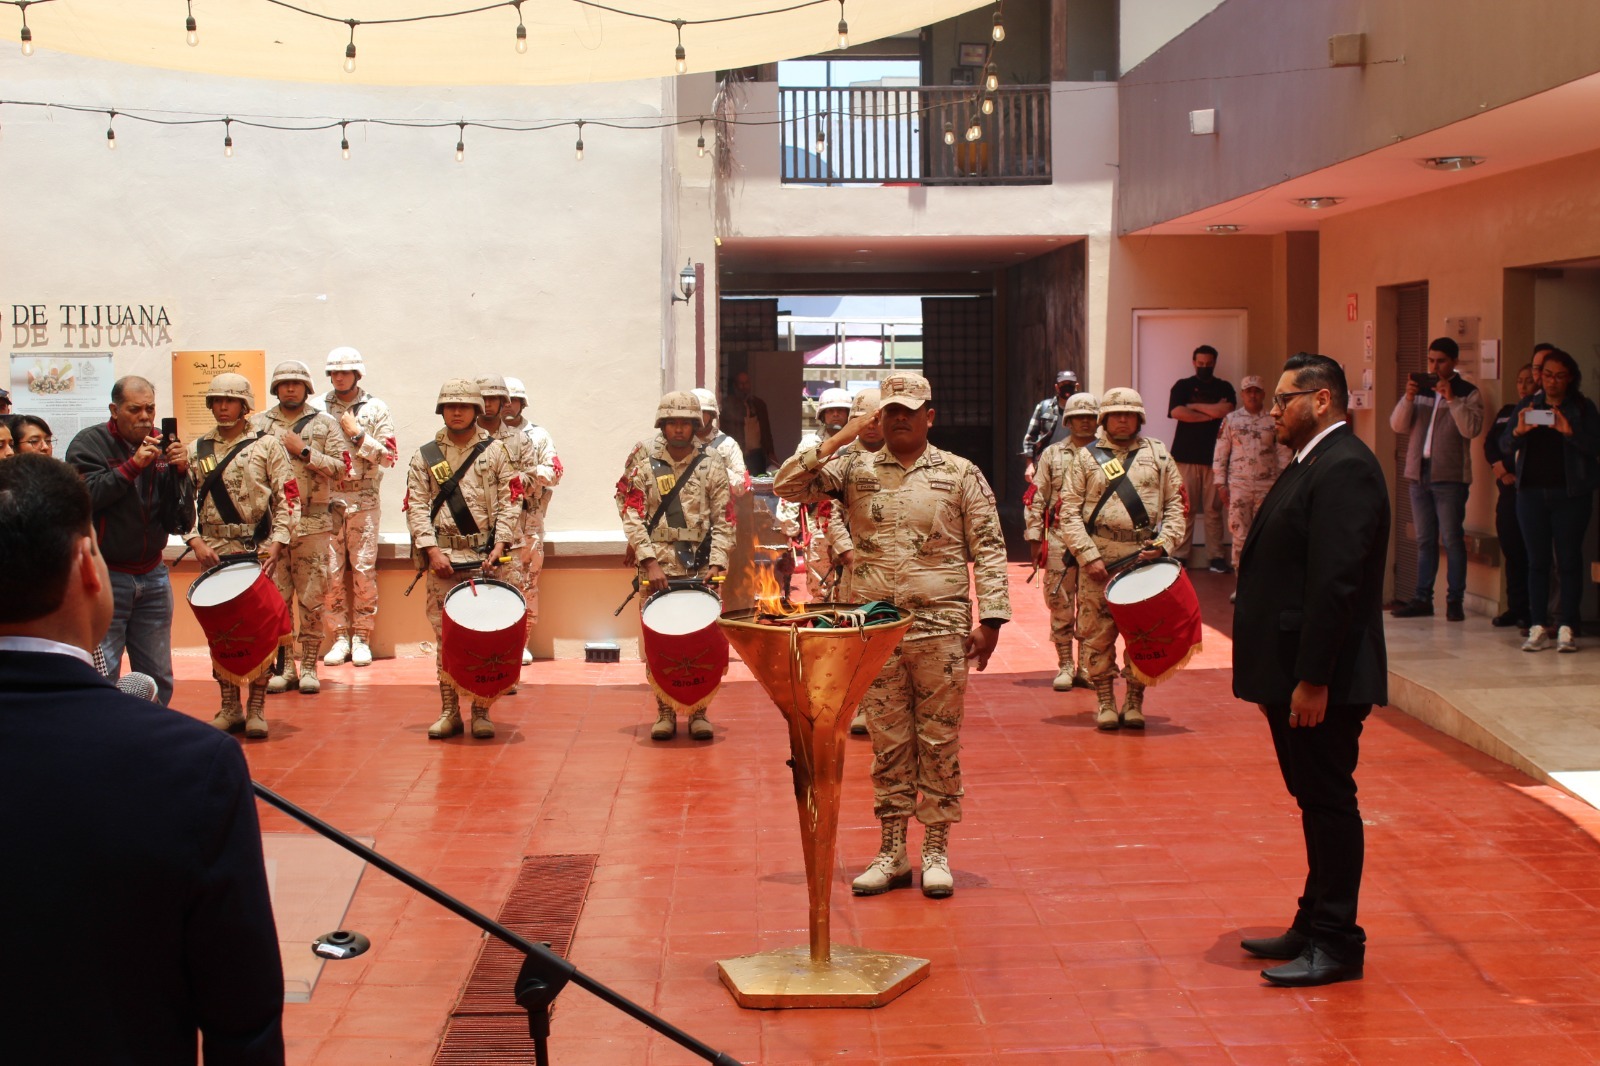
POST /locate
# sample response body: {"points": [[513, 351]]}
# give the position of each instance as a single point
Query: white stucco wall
{"points": [[519, 261], [1146, 25]]}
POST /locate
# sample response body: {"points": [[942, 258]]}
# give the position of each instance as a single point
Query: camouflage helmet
{"points": [[231, 386], [516, 390], [291, 370], [1121, 401], [708, 400], [866, 402], [1081, 403], [678, 405], [493, 385], [459, 390], [345, 358], [833, 398]]}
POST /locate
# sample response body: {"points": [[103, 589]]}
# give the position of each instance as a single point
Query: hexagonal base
{"points": [[787, 978]]}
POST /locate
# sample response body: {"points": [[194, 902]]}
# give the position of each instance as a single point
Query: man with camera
{"points": [[139, 485], [1442, 412]]}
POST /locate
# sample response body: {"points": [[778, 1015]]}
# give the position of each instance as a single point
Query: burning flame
{"points": [[770, 595]]}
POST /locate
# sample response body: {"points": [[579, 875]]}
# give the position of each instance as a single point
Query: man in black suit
{"points": [[135, 895], [1308, 648]]}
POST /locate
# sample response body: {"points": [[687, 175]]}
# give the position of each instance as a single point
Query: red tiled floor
{"points": [[1102, 880]]}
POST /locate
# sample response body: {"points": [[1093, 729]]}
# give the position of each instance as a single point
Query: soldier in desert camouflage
{"points": [[1247, 460], [1043, 532]]}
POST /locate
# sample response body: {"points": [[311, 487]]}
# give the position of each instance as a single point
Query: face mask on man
{"points": [[1205, 373]]}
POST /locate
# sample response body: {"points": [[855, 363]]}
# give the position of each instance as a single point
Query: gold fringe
{"points": [[1148, 680], [682, 708], [244, 680], [474, 697]]}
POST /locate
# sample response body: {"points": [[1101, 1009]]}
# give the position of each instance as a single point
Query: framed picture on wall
{"points": [[973, 55], [963, 76]]}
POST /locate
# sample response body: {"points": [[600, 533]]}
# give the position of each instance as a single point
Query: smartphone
{"points": [[1541, 416], [169, 431], [1425, 382]]}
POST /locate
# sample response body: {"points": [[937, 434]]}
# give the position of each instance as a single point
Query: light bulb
{"points": [[193, 36], [522, 39], [988, 105], [682, 58], [27, 41], [344, 148], [461, 151], [949, 134], [974, 131], [700, 146], [991, 79], [227, 147], [999, 30], [844, 34], [350, 58], [111, 140], [578, 154]]}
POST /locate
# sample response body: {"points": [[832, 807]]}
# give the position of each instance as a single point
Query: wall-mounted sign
{"points": [[69, 390], [191, 378], [1352, 307]]}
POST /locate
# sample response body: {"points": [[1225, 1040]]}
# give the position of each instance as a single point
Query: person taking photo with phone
{"points": [[139, 486]]}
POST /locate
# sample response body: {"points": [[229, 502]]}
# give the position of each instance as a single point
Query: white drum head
{"points": [[1142, 583], [493, 609], [224, 585], [681, 612]]}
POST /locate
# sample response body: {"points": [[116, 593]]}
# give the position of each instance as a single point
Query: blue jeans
{"points": [[1551, 518], [141, 621], [1439, 508]]}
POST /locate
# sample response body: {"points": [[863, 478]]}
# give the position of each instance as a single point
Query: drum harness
{"points": [[205, 451], [1117, 483], [449, 482], [697, 555]]}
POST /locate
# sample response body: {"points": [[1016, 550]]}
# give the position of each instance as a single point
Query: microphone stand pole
{"points": [[544, 973]]}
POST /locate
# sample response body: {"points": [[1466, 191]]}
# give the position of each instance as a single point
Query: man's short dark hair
{"points": [[132, 381], [1319, 372], [1205, 349], [44, 509], [1543, 346], [1446, 347]]}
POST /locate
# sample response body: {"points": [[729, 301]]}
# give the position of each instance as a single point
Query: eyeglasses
{"points": [[1550, 375], [1281, 400]]}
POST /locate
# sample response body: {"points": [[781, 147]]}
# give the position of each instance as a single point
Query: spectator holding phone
{"points": [[1442, 412], [140, 489], [1554, 442], [1506, 527]]}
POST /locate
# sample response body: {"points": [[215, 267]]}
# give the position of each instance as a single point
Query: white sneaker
{"points": [[1538, 639], [360, 654], [527, 657], [338, 653], [1564, 641]]}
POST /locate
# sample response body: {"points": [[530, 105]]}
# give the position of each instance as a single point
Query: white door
{"points": [[1163, 351]]}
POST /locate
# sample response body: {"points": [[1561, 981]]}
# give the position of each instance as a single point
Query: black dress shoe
{"points": [[1453, 612], [1414, 609], [1314, 967], [1287, 946], [1509, 619]]}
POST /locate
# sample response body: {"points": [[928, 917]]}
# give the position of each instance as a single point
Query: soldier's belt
{"points": [[667, 534], [455, 542], [313, 510], [227, 531], [351, 486], [1123, 536]]}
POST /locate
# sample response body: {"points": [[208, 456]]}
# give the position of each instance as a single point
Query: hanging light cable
{"points": [[844, 28], [344, 139], [522, 30], [192, 34], [27, 34], [350, 49], [111, 133], [461, 142], [227, 138], [679, 54], [578, 154]]}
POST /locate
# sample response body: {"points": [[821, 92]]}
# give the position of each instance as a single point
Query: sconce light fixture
{"points": [[686, 283]]}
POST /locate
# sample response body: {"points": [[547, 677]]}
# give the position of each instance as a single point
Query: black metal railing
{"points": [[915, 135]]}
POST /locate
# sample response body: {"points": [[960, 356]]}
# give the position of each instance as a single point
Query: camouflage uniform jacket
{"points": [[259, 480], [490, 489], [317, 474], [533, 453], [1042, 502], [915, 529], [1153, 474], [705, 501], [733, 458], [1248, 452], [378, 449]]}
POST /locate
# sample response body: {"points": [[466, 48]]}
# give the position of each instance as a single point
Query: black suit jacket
{"points": [[133, 889], [1310, 603]]}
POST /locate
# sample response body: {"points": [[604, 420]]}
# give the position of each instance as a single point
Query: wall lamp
{"points": [[686, 283]]}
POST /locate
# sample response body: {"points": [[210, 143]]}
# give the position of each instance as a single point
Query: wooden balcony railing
{"points": [[897, 136]]}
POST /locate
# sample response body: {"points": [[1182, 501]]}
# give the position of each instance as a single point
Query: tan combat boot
{"points": [[482, 728], [666, 724], [339, 652], [1063, 680], [700, 726], [449, 723], [309, 685], [936, 880], [284, 681], [1133, 705], [255, 717], [230, 719], [889, 868], [858, 724], [1105, 715]]}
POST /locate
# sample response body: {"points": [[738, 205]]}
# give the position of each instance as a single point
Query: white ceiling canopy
{"points": [[567, 40]]}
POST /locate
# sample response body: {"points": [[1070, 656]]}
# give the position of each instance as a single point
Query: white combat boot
{"points": [[889, 868], [360, 652], [338, 653]]}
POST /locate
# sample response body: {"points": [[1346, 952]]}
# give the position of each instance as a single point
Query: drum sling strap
{"points": [[688, 554], [1117, 483], [450, 486], [205, 451]]}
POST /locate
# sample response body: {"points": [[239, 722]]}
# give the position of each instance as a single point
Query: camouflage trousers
{"points": [[1061, 597], [439, 588], [530, 560], [302, 575], [1244, 500], [913, 712], [819, 569], [1199, 486], [353, 558], [1097, 633]]}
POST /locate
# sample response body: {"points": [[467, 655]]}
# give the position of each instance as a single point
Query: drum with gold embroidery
{"points": [[1158, 615], [481, 638], [244, 619], [685, 651]]}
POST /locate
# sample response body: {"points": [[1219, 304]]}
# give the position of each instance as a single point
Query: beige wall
{"points": [[1149, 24], [1462, 242]]}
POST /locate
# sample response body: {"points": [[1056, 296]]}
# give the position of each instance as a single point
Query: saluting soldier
{"points": [[1121, 496], [463, 504], [316, 447], [677, 514], [1047, 544], [540, 476], [1247, 460], [245, 500], [918, 516], [369, 447], [869, 440]]}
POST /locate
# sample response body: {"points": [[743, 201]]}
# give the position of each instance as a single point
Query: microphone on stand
{"points": [[136, 684]]}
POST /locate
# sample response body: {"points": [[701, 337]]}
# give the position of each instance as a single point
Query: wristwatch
{"points": [[305, 454]]}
